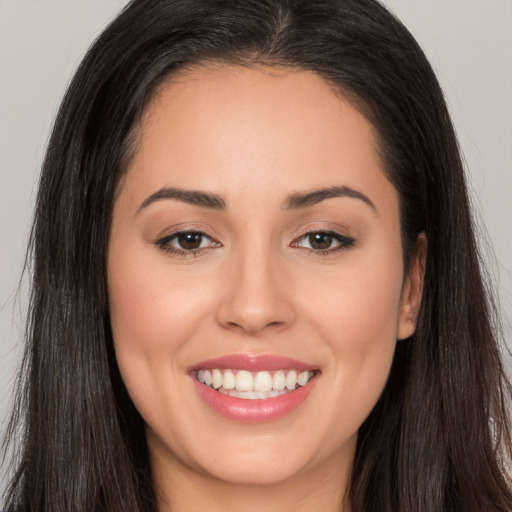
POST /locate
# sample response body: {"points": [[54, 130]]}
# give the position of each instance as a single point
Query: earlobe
{"points": [[412, 290]]}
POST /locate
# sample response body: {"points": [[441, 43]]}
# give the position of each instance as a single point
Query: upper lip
{"points": [[253, 363]]}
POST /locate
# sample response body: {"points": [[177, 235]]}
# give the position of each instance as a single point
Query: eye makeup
{"points": [[187, 243]]}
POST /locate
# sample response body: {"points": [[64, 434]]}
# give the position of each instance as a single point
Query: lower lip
{"points": [[254, 411]]}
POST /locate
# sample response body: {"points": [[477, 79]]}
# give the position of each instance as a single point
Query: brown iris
{"points": [[320, 241], [190, 241]]}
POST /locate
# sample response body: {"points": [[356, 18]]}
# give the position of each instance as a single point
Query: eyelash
{"points": [[164, 244], [344, 243]]}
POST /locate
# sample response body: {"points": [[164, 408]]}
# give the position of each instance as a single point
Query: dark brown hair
{"points": [[439, 436]]}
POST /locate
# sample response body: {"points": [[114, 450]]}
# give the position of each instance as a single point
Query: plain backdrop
{"points": [[469, 43]]}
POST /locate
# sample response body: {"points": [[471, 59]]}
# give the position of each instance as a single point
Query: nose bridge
{"points": [[256, 297]]}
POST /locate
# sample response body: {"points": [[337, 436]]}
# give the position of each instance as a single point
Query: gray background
{"points": [[469, 43]]}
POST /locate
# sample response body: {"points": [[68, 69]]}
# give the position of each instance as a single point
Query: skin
{"points": [[255, 136]]}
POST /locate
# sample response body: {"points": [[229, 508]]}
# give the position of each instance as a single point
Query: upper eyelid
{"points": [[184, 231], [326, 231], [173, 236], [302, 233], [322, 227], [342, 242], [339, 236], [165, 244]]}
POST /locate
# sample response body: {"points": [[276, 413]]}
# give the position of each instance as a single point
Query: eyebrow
{"points": [[194, 197], [293, 202], [304, 200]]}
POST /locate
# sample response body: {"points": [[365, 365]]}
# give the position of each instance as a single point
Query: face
{"points": [[255, 275]]}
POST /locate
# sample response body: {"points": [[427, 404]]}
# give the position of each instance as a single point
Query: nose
{"points": [[257, 298]]}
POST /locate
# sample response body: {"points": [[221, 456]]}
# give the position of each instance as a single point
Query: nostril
{"points": [[254, 327], [251, 308]]}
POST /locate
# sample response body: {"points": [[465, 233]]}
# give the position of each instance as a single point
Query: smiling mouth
{"points": [[253, 385]]}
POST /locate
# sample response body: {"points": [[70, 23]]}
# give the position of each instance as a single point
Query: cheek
{"points": [[149, 303], [152, 320], [357, 307], [358, 321], [156, 309], [153, 313]]}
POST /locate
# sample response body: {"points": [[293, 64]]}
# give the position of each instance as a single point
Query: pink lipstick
{"points": [[247, 388]]}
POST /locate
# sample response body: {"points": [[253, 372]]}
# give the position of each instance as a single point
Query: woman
{"points": [[256, 283]]}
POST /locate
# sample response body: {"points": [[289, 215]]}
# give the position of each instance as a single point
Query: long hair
{"points": [[439, 436]]}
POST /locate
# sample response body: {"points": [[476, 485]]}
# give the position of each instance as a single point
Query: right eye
{"points": [[185, 243]]}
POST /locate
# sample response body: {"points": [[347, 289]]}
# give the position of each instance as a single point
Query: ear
{"points": [[411, 294]]}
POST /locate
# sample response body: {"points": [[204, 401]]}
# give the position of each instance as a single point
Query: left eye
{"points": [[324, 241]]}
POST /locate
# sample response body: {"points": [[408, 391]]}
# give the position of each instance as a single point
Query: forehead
{"points": [[221, 128]]}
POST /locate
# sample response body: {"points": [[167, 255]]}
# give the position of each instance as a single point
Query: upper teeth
{"points": [[242, 380]]}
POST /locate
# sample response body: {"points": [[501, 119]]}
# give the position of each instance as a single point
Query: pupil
{"points": [[189, 241], [320, 241]]}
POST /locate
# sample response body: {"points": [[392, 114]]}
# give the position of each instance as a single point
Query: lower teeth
{"points": [[252, 395]]}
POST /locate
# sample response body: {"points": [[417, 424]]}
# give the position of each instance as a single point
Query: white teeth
{"points": [[303, 378], [217, 379], [253, 385], [244, 381], [279, 381], [263, 381], [291, 379], [229, 380], [253, 395]]}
